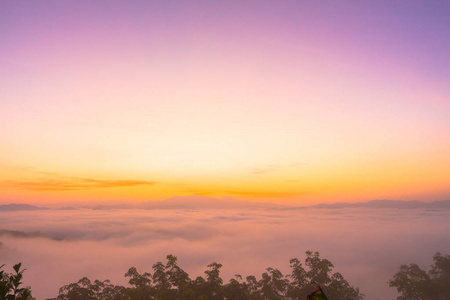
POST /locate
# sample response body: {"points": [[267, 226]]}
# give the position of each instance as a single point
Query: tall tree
{"points": [[416, 284]]}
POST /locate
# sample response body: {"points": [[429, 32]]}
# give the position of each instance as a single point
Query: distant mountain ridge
{"points": [[198, 202], [16, 207], [444, 204], [204, 202]]}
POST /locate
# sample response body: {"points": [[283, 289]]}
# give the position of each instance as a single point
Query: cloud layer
{"points": [[366, 246], [73, 183]]}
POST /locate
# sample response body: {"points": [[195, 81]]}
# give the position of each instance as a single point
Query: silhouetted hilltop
{"points": [[16, 207], [68, 208], [204, 202], [390, 204]]}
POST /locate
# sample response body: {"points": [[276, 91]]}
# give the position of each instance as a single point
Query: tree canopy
{"points": [[413, 283], [168, 281], [10, 285]]}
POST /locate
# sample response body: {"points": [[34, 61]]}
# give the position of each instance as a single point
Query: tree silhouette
{"points": [[141, 288], [169, 281], [413, 283], [10, 285]]}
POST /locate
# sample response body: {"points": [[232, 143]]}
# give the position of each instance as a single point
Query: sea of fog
{"points": [[366, 246]]}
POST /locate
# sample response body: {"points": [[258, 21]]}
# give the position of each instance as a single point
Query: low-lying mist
{"points": [[366, 245]]}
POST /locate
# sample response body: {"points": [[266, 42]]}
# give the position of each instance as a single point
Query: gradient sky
{"points": [[282, 101]]}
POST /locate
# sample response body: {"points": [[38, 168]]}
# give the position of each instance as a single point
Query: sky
{"points": [[274, 101]]}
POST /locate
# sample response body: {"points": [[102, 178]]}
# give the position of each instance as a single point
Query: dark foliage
{"points": [[413, 283], [169, 281], [10, 285]]}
